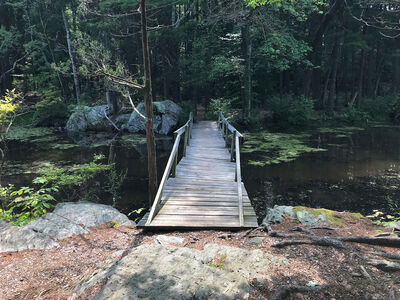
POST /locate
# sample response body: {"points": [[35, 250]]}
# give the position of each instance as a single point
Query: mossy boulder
{"points": [[166, 117], [305, 215], [86, 118]]}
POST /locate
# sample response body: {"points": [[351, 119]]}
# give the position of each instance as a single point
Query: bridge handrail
{"points": [[170, 168], [225, 126]]}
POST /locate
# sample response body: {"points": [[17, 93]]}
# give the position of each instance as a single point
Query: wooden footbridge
{"points": [[205, 189]]}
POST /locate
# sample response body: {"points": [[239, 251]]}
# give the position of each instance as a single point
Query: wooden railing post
{"points": [[185, 141], [173, 172], [226, 136], [233, 146]]}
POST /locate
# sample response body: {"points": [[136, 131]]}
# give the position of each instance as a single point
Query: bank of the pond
{"points": [[111, 262]]}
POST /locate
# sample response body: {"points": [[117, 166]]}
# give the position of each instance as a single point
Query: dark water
{"points": [[358, 173], [26, 157]]}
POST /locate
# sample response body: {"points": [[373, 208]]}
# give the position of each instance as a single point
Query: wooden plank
{"points": [[204, 212], [204, 203]]}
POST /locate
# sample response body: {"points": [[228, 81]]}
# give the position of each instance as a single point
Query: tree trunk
{"points": [[332, 87], [396, 70], [361, 75], [247, 48], [76, 83], [148, 100]]}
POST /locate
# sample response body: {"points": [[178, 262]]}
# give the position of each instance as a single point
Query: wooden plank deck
{"points": [[204, 193]]}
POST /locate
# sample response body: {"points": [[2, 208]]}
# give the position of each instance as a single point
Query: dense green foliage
{"points": [[80, 182], [248, 53]]}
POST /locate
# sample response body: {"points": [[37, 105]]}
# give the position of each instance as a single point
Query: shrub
{"points": [[51, 112], [215, 106], [187, 107], [25, 204], [380, 108], [291, 110]]}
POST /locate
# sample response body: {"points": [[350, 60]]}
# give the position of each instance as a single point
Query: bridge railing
{"points": [[235, 137], [170, 169]]}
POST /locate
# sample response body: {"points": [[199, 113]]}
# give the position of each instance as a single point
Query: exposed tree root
{"points": [[323, 227], [285, 291], [292, 242], [387, 242], [385, 254], [316, 240], [384, 265], [302, 229]]}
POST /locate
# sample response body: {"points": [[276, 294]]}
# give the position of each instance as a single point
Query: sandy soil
{"points": [[55, 273]]}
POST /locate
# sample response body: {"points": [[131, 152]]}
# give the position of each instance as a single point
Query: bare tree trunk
{"points": [[148, 100], [332, 88], [361, 75], [76, 83], [247, 47]]}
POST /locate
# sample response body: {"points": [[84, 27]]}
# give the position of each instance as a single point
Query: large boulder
{"points": [[66, 220], [90, 119], [303, 215], [161, 271], [166, 117]]}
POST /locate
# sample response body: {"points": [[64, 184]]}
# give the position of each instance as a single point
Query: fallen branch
{"points": [[111, 122], [365, 273], [383, 234], [285, 291], [392, 295]]}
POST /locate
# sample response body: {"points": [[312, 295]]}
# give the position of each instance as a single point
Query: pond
{"points": [[358, 172], [349, 169], [31, 149]]}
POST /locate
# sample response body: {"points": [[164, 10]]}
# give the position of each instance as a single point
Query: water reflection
{"points": [[343, 178]]}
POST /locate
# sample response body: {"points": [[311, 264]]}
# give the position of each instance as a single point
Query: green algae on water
{"points": [[268, 148]]}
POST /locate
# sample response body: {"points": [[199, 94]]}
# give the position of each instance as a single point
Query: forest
{"points": [[199, 149], [334, 57]]}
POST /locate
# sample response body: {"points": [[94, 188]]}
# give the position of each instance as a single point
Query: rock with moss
{"points": [[166, 117], [275, 215], [89, 119], [66, 220], [303, 215], [122, 120]]}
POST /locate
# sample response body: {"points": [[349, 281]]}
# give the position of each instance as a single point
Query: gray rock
{"points": [[77, 121], [255, 241], [66, 220], [274, 215], [122, 120], [89, 118], [167, 240], [305, 218], [154, 271], [165, 118]]}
